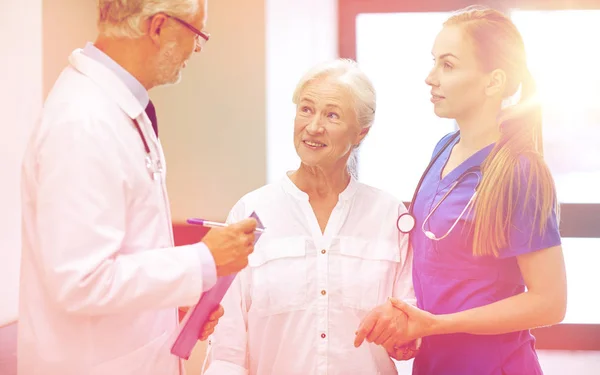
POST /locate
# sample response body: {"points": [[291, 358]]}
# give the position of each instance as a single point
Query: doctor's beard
{"points": [[169, 65]]}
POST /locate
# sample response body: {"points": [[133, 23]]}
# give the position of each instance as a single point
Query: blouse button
{"points": [[323, 292], [323, 251], [323, 335]]}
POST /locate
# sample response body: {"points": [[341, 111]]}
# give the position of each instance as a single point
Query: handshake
{"points": [[398, 327]]}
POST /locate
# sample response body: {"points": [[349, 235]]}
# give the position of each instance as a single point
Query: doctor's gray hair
{"points": [[348, 74], [123, 18]]}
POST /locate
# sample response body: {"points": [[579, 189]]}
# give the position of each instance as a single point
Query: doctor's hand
{"points": [[384, 325], [209, 326], [230, 246]]}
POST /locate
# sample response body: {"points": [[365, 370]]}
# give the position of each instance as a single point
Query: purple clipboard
{"points": [[197, 316]]}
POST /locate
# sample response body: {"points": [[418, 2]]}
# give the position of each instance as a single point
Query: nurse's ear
{"points": [[496, 83], [156, 24]]}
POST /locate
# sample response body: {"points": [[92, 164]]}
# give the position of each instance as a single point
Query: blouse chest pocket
{"points": [[368, 271], [279, 276]]}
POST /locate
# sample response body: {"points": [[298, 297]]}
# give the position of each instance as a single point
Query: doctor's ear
{"points": [[497, 82], [156, 25]]}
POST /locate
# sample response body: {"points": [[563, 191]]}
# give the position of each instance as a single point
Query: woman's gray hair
{"points": [[123, 18], [349, 75]]}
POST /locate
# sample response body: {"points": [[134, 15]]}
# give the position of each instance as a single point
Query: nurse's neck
{"points": [[130, 54], [479, 131], [320, 183]]}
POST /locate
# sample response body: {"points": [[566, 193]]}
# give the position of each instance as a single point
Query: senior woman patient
{"points": [[330, 252]]}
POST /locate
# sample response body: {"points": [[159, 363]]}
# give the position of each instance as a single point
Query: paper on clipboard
{"points": [[196, 317]]}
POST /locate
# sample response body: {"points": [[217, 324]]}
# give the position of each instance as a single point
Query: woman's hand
{"points": [[406, 352], [419, 323], [209, 326], [211, 323], [384, 325]]}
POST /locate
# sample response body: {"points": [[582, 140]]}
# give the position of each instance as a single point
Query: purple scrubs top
{"points": [[448, 278]]}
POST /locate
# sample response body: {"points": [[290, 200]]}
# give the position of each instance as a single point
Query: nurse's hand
{"points": [[420, 323], [383, 325], [406, 352], [230, 246], [209, 326]]}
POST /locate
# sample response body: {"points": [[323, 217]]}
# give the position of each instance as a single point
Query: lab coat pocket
{"points": [[279, 275], [368, 271], [142, 360]]}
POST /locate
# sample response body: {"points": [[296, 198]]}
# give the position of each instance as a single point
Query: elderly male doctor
{"points": [[101, 280]]}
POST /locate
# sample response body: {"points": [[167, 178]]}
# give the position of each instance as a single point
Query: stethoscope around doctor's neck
{"points": [[406, 222], [154, 168]]}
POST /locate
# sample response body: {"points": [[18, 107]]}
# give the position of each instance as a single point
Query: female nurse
{"points": [[488, 263]]}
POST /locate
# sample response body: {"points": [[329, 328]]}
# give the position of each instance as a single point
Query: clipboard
{"points": [[191, 325]]}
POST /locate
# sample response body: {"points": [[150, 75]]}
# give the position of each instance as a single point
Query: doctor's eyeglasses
{"points": [[201, 37]]}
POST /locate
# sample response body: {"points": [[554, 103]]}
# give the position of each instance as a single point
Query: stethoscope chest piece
{"points": [[154, 169], [406, 222]]}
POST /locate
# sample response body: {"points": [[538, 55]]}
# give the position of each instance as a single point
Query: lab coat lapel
{"points": [[108, 81]]}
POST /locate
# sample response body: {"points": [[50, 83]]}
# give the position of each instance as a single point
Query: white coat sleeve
{"points": [[80, 202], [403, 283], [228, 346]]}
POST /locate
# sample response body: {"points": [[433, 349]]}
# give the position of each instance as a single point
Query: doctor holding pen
{"points": [[488, 263], [330, 252], [101, 280]]}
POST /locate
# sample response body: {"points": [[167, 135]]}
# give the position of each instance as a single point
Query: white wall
{"points": [[20, 102], [66, 25], [299, 35], [212, 124]]}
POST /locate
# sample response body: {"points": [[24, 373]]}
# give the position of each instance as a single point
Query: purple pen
{"points": [[213, 224]]}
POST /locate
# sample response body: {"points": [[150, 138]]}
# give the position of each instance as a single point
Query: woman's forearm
{"points": [[520, 312]]}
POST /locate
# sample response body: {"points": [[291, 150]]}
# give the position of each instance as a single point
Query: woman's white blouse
{"points": [[295, 309]]}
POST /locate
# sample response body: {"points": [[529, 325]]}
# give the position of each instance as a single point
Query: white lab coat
{"points": [[100, 278]]}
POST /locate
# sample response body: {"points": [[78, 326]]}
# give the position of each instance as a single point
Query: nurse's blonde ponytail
{"points": [[515, 164]]}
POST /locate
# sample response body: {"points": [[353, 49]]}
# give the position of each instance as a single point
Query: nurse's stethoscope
{"points": [[155, 169], [406, 222]]}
